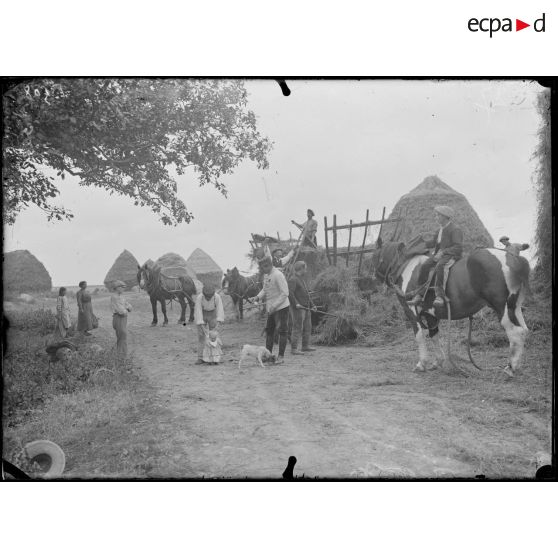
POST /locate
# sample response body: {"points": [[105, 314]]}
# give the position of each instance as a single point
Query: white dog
{"points": [[253, 350]]}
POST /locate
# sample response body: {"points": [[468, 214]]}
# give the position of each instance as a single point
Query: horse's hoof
{"points": [[165, 324], [508, 370], [153, 325], [419, 368]]}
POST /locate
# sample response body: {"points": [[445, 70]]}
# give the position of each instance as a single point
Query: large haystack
{"points": [[418, 205], [207, 271], [175, 265], [23, 273], [124, 268]]}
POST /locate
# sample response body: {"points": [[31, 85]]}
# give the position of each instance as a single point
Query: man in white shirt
{"points": [[276, 294], [208, 314], [120, 308]]}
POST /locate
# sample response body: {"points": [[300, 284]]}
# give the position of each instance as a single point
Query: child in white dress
{"points": [[212, 351]]}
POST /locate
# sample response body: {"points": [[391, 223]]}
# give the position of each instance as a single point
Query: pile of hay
{"points": [[124, 268], [418, 207], [205, 268], [23, 272], [174, 265], [335, 288], [375, 320]]}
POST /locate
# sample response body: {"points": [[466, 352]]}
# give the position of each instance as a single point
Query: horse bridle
{"points": [[385, 277]]}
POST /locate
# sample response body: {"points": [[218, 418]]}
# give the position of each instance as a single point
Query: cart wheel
{"points": [[48, 456]]}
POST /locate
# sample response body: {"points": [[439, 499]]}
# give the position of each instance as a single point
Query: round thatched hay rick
{"points": [[417, 207], [124, 268], [23, 272]]}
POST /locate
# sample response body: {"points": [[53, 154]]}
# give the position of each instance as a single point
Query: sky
{"points": [[339, 147]]}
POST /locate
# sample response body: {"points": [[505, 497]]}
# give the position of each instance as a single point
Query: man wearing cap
{"points": [[276, 294], [309, 230], [120, 308], [301, 310], [208, 311], [513, 247], [448, 248], [279, 261]]}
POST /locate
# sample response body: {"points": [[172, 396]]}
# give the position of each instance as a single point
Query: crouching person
{"points": [[276, 294], [301, 309], [208, 314]]}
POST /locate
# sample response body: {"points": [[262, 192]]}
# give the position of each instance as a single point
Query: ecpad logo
{"points": [[492, 25]]}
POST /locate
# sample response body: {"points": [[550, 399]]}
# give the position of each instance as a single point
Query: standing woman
{"points": [[120, 308], [63, 320], [85, 309]]}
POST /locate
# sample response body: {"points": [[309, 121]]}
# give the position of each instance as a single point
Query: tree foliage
{"points": [[543, 185], [127, 136]]}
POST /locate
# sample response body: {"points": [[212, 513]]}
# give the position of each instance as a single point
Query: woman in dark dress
{"points": [[85, 309]]}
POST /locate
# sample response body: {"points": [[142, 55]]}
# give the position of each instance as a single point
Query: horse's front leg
{"points": [[191, 304], [164, 310], [182, 302], [241, 309], [420, 335], [154, 308]]}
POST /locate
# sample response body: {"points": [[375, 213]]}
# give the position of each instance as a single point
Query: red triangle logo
{"points": [[519, 25]]}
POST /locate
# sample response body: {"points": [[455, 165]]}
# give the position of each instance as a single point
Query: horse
{"points": [[486, 277], [240, 288], [161, 288]]}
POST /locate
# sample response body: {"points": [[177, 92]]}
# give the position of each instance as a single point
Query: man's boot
{"points": [[294, 349]]}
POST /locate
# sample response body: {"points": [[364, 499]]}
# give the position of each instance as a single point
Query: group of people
{"points": [[87, 320], [282, 298]]}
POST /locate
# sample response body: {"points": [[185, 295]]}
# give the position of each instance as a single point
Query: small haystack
{"points": [[205, 268], [124, 268], [23, 272], [418, 206]]}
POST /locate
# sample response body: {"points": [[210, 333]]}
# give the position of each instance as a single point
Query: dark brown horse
{"points": [[486, 277], [240, 288], [161, 288]]}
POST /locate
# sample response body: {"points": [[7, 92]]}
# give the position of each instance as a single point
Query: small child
{"points": [[212, 351]]}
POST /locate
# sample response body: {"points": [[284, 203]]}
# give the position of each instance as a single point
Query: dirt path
{"points": [[342, 411]]}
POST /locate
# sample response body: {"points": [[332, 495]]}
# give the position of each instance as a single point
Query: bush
{"points": [[29, 379]]}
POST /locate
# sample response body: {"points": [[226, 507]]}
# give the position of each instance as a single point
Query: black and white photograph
{"points": [[279, 279]]}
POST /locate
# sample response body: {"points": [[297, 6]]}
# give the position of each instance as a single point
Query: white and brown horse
{"points": [[486, 277]]}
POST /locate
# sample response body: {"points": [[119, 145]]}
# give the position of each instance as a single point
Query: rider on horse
{"points": [[448, 248]]}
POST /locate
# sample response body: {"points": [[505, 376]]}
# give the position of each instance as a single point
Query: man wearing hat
{"points": [[301, 310], [279, 261], [309, 230], [513, 247], [120, 308], [208, 313], [276, 294], [448, 248]]}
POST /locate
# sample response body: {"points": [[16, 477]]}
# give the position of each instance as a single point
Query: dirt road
{"points": [[343, 411]]}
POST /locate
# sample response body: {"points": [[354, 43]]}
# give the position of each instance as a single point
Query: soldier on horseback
{"points": [[448, 248]]}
